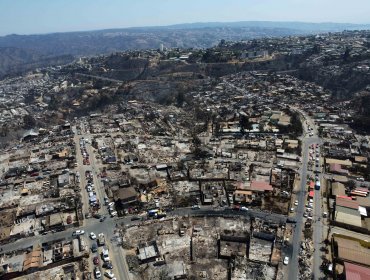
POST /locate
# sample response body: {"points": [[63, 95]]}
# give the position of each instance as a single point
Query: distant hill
{"points": [[17, 60], [301, 26], [23, 52]]}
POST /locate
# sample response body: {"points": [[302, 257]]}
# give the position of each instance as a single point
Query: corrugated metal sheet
{"points": [[348, 216], [260, 186], [350, 249], [347, 203], [356, 272]]}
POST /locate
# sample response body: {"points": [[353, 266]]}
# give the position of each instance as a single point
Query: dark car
{"points": [[97, 216], [291, 220], [102, 219], [94, 248], [87, 215], [108, 265], [135, 218]]}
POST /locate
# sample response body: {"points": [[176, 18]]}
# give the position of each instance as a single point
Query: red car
{"points": [[69, 219], [96, 260]]}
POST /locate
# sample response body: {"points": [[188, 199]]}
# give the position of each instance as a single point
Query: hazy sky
{"points": [[45, 16]]}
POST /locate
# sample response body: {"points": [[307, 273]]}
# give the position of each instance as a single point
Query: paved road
{"points": [[92, 225], [118, 260], [301, 197], [109, 225], [307, 141], [100, 78]]}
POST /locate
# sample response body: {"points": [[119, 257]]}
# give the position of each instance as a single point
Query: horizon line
{"points": [[184, 23]]}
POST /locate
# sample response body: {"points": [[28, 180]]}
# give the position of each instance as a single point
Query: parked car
{"points": [[69, 219], [105, 255], [108, 265], [291, 220], [92, 235], [78, 232], [94, 247], [96, 260], [97, 272], [286, 260], [97, 216], [109, 274]]}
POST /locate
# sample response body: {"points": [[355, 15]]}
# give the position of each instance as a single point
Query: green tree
{"points": [[180, 98], [222, 43], [350, 184], [196, 141], [346, 54], [244, 123], [29, 122]]}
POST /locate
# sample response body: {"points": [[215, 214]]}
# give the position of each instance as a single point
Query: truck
{"points": [[101, 239], [157, 213], [160, 214], [153, 212]]}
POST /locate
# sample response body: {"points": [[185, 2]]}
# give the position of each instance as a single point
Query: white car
{"points": [[97, 272], [296, 203], [105, 255], [113, 213], [109, 274], [78, 232], [243, 208], [286, 260], [92, 235], [110, 204]]}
